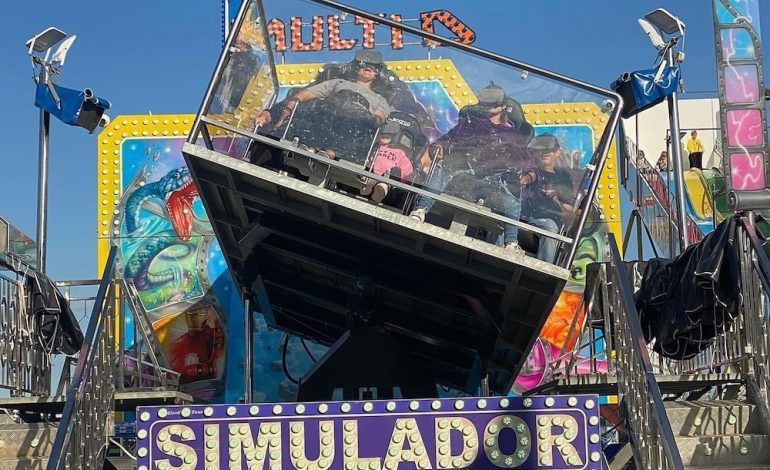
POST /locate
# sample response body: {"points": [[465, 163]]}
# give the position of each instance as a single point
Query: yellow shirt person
{"points": [[695, 148]]}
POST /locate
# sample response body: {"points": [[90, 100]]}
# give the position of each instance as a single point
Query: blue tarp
{"points": [[70, 105]]}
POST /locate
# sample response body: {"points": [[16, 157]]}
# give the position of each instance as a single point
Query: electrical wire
{"points": [[307, 350], [284, 349]]}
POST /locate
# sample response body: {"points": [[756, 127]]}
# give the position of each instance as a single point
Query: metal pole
{"points": [[42, 189], [676, 150], [247, 342]]}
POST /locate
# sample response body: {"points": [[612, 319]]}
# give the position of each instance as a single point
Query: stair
{"points": [[25, 446], [720, 434]]}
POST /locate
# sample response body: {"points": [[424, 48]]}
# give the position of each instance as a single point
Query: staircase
{"points": [[71, 428], [710, 412], [25, 446], [719, 434]]}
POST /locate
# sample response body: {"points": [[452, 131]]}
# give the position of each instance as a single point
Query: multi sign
{"points": [[553, 432]]}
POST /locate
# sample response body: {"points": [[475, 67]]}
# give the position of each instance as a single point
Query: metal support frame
{"points": [[676, 148], [741, 144], [42, 186]]}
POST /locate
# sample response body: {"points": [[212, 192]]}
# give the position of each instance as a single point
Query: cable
{"points": [[307, 350], [285, 347]]}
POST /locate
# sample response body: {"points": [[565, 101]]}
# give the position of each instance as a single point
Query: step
{"points": [[119, 463], [711, 418], [720, 451], [24, 464], [26, 440]]}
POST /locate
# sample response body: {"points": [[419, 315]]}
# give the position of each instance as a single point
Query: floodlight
{"points": [[651, 33], [61, 51], [45, 39], [665, 21]]}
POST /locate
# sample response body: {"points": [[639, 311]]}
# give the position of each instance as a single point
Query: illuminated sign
{"points": [[313, 40], [554, 432]]}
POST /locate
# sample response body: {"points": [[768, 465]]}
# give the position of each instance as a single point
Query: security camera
{"points": [[608, 106], [104, 121]]}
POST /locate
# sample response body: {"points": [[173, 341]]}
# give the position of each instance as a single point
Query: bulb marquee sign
{"points": [[306, 36], [555, 432]]}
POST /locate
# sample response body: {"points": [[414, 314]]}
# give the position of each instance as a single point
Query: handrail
{"points": [[648, 424], [26, 362], [95, 347], [755, 286]]}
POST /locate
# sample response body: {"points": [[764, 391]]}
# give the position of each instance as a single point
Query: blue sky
{"points": [[156, 56]]}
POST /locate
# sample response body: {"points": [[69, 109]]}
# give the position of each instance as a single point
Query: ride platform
{"points": [[458, 304]]}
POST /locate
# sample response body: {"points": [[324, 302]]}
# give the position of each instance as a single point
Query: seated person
{"points": [[343, 126], [388, 161], [548, 197], [349, 102], [482, 157]]}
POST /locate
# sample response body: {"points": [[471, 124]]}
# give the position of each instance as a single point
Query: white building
{"points": [[698, 114]]}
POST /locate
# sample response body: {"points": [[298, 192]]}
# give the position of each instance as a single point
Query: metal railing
{"points": [[25, 366], [143, 365], [648, 425], [82, 434], [755, 284], [104, 368]]}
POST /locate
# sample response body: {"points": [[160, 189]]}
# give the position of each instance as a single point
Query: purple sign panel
{"points": [[554, 432]]}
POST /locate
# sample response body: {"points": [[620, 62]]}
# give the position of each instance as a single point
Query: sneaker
{"points": [[418, 214], [379, 192], [514, 247], [366, 189]]}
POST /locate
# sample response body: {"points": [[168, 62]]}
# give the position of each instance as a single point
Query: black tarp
{"points": [[685, 302], [58, 327]]}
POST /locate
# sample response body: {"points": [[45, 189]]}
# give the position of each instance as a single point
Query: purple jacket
{"points": [[485, 147]]}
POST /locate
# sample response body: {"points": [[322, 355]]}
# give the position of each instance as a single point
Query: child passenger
{"points": [[388, 161]]}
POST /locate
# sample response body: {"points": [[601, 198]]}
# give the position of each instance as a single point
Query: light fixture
{"points": [[665, 21], [45, 39]]}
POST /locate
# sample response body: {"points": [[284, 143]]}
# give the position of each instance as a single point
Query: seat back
{"points": [[410, 138]]}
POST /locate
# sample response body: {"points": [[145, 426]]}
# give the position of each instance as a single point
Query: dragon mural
{"points": [[165, 244]]}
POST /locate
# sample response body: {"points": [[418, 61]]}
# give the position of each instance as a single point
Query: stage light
{"points": [[665, 21], [45, 39], [79, 108]]}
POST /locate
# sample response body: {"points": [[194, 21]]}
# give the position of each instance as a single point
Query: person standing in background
{"points": [[664, 164], [695, 148]]}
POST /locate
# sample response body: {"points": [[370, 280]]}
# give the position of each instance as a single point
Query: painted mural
{"points": [[564, 342]]}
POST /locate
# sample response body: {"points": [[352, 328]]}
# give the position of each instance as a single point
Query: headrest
{"points": [[391, 127]]}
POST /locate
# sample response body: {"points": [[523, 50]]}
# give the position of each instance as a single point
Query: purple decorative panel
{"points": [[744, 128], [747, 171], [741, 84], [554, 432]]}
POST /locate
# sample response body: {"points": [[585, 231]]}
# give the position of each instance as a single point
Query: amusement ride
{"points": [[377, 246]]}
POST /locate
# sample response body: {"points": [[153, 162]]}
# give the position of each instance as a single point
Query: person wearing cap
{"points": [[482, 157], [388, 161], [363, 109], [548, 197]]}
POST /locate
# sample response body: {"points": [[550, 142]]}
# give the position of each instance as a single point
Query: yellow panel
{"points": [[699, 195], [440, 70], [109, 148]]}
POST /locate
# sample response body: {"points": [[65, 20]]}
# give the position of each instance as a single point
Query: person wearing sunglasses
{"points": [[351, 111]]}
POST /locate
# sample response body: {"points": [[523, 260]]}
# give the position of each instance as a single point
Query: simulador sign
{"points": [[558, 432]]}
